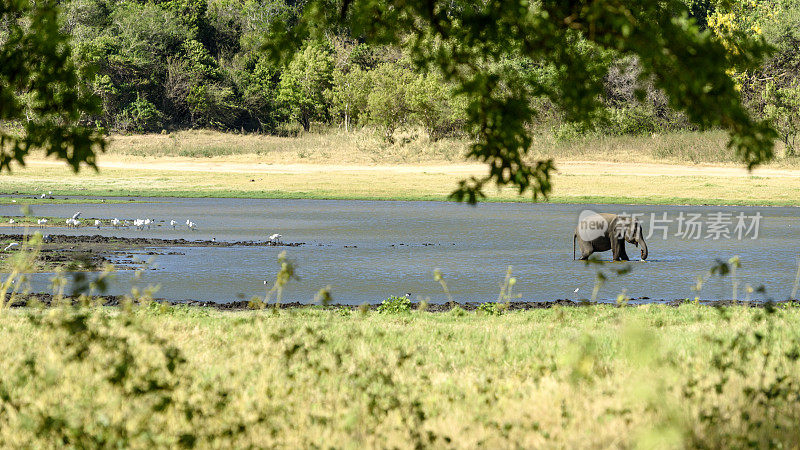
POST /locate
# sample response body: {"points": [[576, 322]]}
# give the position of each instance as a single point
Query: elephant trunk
{"points": [[642, 243]]}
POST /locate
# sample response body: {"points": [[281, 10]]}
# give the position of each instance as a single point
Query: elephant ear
{"points": [[630, 225]]}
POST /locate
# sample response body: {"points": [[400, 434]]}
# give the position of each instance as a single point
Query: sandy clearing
{"points": [[464, 169]]}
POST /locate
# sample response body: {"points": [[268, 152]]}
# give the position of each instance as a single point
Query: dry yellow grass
{"points": [[335, 165], [361, 147], [575, 182], [365, 146]]}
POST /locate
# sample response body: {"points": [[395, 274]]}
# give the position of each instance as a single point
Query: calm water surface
{"points": [[367, 251]]}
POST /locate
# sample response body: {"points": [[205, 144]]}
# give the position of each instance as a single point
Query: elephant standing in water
{"points": [[603, 232]]}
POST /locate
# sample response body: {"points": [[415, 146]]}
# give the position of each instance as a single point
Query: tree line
{"points": [[170, 64], [194, 63]]}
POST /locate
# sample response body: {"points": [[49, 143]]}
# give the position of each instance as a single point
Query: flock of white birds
{"points": [[139, 224]]}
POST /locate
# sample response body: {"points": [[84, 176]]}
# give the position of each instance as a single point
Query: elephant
{"points": [[603, 232]]}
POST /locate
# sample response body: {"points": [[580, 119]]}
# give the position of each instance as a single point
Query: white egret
{"points": [[97, 223], [192, 226], [11, 245], [11, 222], [172, 223], [115, 223], [275, 238], [76, 215]]}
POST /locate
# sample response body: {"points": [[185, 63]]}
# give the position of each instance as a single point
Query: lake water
{"points": [[367, 251]]}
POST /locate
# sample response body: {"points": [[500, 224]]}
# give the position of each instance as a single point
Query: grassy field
{"points": [[573, 183], [359, 166], [594, 377]]}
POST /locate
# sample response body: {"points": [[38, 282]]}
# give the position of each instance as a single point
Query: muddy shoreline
{"points": [[89, 252], [48, 300], [139, 243]]}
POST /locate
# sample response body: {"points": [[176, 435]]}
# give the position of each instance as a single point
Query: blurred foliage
{"points": [[40, 88]]}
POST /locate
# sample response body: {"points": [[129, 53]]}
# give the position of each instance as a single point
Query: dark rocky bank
{"points": [[47, 300]]}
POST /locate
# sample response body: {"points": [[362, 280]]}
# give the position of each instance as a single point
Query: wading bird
{"points": [[11, 222], [76, 215], [11, 245], [275, 238], [115, 223], [172, 223], [97, 223]]}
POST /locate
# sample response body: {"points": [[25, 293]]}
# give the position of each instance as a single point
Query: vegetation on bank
{"points": [[156, 375], [365, 145]]}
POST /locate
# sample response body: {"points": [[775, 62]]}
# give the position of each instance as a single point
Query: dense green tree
{"points": [[387, 101], [435, 107], [256, 81], [770, 90], [348, 94], [40, 89], [304, 83], [782, 107]]}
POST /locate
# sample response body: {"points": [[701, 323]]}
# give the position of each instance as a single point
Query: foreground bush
{"points": [[162, 376]]}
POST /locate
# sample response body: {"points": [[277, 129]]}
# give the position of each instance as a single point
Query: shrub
{"points": [[395, 305], [492, 308], [140, 116]]}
